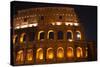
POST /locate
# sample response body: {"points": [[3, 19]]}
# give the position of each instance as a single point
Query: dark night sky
{"points": [[87, 15]]}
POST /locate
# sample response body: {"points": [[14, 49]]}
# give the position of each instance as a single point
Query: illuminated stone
{"points": [[30, 55], [76, 24], [69, 23], [60, 52], [22, 38], [66, 23], [24, 26], [14, 39], [53, 23], [70, 40], [50, 56], [19, 57], [17, 27], [50, 53], [69, 52], [35, 24], [58, 23], [79, 52], [78, 35], [39, 54]]}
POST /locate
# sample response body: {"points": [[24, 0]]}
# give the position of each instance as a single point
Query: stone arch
{"points": [[41, 35], [29, 55], [50, 53], [50, 34], [70, 52], [69, 35], [78, 35], [23, 38], [20, 56], [39, 54], [79, 52], [15, 39], [60, 52]]}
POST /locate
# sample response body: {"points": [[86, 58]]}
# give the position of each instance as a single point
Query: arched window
{"points": [[78, 35], [31, 36], [41, 35], [20, 56], [69, 35], [23, 38], [39, 54], [60, 52], [60, 35], [29, 55], [50, 34], [79, 52], [70, 53], [15, 39], [49, 54]]}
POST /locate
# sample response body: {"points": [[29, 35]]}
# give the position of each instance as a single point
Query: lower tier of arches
{"points": [[50, 55]]}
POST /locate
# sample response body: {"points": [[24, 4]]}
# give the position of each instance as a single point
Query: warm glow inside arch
{"points": [[70, 52], [78, 35], [50, 31], [39, 54], [50, 53], [60, 52], [39, 34], [79, 52], [20, 56], [29, 55], [23, 37], [69, 37]]}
